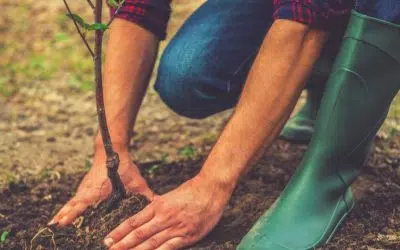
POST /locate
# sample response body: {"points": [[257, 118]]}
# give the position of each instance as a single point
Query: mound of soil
{"points": [[87, 232], [374, 223]]}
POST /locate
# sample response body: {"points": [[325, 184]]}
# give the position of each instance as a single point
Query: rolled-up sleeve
{"points": [[152, 15], [322, 14]]}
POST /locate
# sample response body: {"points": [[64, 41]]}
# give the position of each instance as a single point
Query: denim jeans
{"points": [[204, 67], [387, 10]]}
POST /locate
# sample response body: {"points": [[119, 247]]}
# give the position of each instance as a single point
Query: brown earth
{"points": [[373, 224]]}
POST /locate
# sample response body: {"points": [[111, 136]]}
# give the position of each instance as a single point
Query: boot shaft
{"points": [[364, 80]]}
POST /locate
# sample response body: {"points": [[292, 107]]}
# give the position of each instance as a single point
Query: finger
{"points": [[64, 210], [129, 225], [141, 234], [173, 244], [157, 240], [67, 208], [72, 214]]}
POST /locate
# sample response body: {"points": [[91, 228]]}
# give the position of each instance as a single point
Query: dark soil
{"points": [[374, 223]]}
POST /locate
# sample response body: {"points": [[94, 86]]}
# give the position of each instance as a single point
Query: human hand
{"points": [[177, 219], [96, 187]]}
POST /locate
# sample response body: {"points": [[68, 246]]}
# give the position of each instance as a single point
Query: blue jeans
{"points": [[204, 67], [387, 10]]}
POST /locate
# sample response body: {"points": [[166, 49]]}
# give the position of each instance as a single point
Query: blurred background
{"points": [[47, 104]]}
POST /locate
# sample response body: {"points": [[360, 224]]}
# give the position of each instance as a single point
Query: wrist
{"points": [[222, 168], [100, 158], [118, 144], [121, 149], [217, 180], [212, 190]]}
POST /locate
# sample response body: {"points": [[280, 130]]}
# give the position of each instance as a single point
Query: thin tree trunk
{"points": [[112, 163]]}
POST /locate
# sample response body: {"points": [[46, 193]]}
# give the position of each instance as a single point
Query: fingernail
{"points": [[108, 242], [52, 222]]}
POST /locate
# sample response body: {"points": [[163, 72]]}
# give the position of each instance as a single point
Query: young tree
{"points": [[112, 161]]}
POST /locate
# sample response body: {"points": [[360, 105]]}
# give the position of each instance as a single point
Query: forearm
{"points": [[130, 56], [272, 88]]}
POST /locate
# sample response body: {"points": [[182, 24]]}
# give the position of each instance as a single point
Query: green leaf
{"points": [[3, 237], [113, 3], [98, 26], [79, 20]]}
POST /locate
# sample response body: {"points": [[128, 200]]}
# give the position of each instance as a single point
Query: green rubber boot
{"points": [[300, 127], [364, 81]]}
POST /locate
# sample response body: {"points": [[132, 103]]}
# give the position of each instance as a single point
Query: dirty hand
{"points": [[96, 187], [174, 220]]}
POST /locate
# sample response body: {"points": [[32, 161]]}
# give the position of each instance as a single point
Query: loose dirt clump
{"points": [[28, 225]]}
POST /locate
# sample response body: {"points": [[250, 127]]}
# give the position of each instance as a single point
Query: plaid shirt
{"points": [[325, 14], [152, 15]]}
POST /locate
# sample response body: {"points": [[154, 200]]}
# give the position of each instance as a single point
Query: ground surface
{"points": [[48, 119], [373, 224]]}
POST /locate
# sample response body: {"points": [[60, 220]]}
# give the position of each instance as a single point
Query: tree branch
{"points": [[90, 3], [79, 31], [115, 13]]}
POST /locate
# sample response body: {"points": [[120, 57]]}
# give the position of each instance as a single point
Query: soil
{"points": [[374, 223]]}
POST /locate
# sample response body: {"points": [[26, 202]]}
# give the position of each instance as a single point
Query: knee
{"points": [[178, 74]]}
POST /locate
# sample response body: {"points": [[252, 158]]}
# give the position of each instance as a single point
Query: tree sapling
{"points": [[112, 161]]}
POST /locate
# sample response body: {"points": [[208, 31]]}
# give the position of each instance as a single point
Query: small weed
{"points": [[3, 237], [187, 152], [87, 166], [7, 177], [152, 169], [393, 133], [164, 158], [6, 89]]}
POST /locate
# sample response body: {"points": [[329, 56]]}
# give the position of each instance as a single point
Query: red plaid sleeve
{"points": [[324, 14], [152, 15]]}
